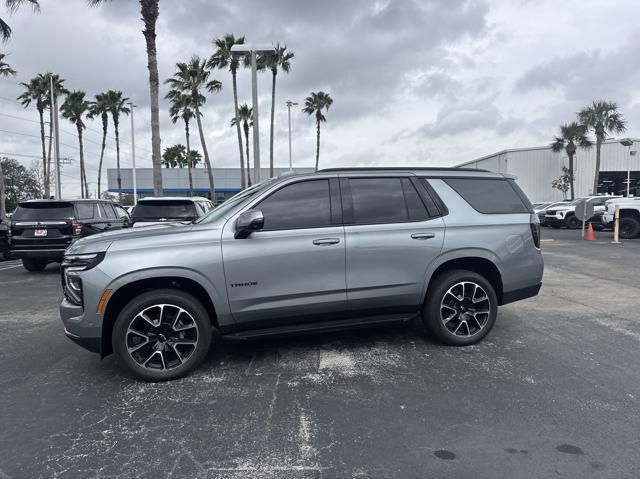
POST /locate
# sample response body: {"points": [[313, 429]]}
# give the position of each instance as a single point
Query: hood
{"points": [[101, 242]]}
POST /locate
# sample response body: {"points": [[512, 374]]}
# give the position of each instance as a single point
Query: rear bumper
{"points": [[48, 254], [518, 294]]}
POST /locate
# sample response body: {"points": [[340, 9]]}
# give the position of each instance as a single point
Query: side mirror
{"points": [[248, 222]]}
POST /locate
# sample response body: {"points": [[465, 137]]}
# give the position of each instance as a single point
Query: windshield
{"points": [[236, 200], [165, 210], [43, 212]]}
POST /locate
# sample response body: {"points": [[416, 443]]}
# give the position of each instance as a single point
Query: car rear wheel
{"points": [[162, 335], [572, 222], [629, 227], [34, 265], [461, 307]]}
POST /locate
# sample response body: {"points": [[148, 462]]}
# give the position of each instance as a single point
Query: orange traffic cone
{"points": [[590, 236]]}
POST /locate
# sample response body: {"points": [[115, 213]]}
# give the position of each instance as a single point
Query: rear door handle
{"points": [[326, 241], [423, 236]]}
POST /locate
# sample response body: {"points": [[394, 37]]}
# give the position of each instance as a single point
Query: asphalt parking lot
{"points": [[553, 391]]}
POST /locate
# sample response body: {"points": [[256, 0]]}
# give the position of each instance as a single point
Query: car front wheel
{"points": [[461, 307], [572, 222], [162, 335]]}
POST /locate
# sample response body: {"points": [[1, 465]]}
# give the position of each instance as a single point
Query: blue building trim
{"points": [[176, 190]]}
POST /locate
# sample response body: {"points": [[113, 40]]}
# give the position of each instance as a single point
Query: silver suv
{"points": [[329, 250]]}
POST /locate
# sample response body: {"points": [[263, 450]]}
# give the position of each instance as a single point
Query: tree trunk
{"points": [[186, 130], [571, 175], [47, 179], [83, 175], [116, 126], [317, 144], [243, 180], [3, 213], [44, 153], [273, 106], [205, 153], [596, 176], [246, 141], [104, 144], [149, 10]]}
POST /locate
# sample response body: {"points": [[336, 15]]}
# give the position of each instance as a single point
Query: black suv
{"points": [[4, 239], [41, 230]]}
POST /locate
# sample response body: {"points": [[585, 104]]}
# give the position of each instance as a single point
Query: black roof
{"points": [[404, 168]]}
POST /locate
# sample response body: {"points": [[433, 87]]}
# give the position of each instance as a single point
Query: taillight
{"points": [[76, 228], [534, 222]]}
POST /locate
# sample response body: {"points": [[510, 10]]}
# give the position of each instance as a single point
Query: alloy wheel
{"points": [[465, 309], [162, 337]]}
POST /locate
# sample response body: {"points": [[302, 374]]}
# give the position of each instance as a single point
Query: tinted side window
{"points": [[489, 195], [385, 200], [108, 211], [300, 205], [87, 211]]}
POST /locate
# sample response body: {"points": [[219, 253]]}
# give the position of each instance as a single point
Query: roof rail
{"points": [[408, 168]]}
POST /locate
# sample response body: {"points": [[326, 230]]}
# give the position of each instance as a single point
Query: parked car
{"points": [[629, 222], [41, 230], [541, 210], [313, 252], [155, 210], [4, 239], [557, 217]]}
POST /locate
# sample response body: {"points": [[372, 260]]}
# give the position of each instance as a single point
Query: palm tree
{"points": [[101, 107], [117, 104], [190, 78], [36, 91], [52, 80], [280, 60], [603, 118], [5, 68], [149, 10], [13, 5], [221, 59], [75, 106], [571, 136], [245, 116], [181, 109], [313, 105], [173, 156]]}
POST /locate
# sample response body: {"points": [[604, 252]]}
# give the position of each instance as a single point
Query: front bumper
{"points": [[80, 328]]}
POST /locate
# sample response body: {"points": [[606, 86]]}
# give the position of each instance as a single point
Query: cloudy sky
{"points": [[414, 82]]}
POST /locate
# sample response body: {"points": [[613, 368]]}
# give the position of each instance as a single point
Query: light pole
{"points": [[252, 51], [289, 105], [133, 157], [628, 142]]}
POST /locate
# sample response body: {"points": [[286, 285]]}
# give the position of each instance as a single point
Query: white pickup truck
{"points": [[629, 226]]}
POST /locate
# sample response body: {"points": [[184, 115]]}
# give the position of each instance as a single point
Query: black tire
{"points": [[34, 265], [170, 364], [572, 222], [438, 295], [629, 227]]}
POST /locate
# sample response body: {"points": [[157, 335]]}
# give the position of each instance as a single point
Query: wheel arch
{"points": [[481, 262], [129, 290]]}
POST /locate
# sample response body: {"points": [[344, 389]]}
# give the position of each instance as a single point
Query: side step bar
{"points": [[320, 327]]}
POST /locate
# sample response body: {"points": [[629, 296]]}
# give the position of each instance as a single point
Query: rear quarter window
{"points": [[491, 196]]}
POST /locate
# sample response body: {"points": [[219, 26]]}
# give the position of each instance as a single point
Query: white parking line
{"points": [[4, 268]]}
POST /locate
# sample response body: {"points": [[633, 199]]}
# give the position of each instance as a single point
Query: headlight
{"points": [[72, 266]]}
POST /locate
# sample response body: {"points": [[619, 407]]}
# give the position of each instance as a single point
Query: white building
{"points": [[537, 167]]}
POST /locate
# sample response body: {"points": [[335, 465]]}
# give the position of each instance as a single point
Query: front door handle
{"points": [[326, 241], [423, 236]]}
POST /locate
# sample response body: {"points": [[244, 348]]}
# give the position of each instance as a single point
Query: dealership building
{"points": [[537, 167], [175, 181]]}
